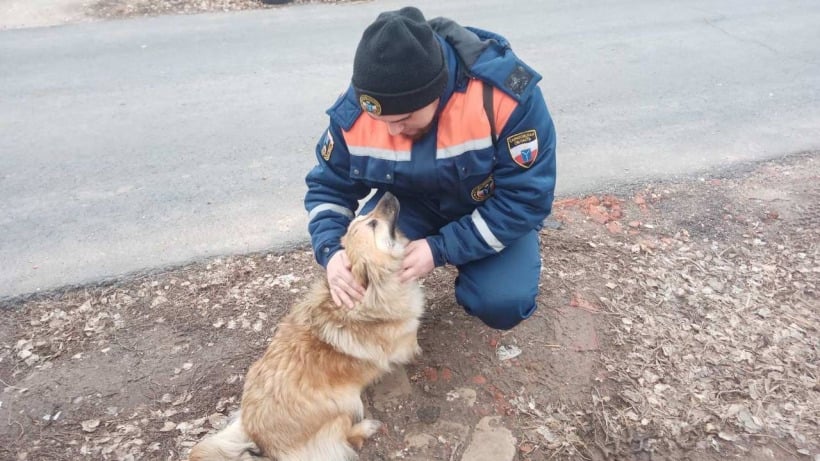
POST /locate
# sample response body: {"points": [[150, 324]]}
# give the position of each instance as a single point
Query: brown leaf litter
{"points": [[692, 334]]}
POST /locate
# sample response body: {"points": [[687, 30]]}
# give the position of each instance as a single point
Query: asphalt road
{"points": [[138, 144]]}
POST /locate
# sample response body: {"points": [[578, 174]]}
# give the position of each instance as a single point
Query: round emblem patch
{"points": [[483, 191], [370, 105]]}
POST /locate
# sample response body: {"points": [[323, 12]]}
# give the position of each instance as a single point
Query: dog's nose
{"points": [[388, 206]]}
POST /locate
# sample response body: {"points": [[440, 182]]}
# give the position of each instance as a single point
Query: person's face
{"points": [[413, 125]]}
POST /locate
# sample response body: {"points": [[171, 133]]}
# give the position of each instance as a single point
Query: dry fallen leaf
{"points": [[90, 425]]}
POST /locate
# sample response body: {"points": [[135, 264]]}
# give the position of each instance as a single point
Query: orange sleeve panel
{"points": [[464, 125], [463, 121], [504, 105]]}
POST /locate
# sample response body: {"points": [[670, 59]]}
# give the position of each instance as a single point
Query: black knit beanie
{"points": [[399, 65]]}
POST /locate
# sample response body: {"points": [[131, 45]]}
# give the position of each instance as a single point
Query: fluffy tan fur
{"points": [[302, 399]]}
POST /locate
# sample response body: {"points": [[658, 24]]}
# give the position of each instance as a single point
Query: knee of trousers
{"points": [[499, 309]]}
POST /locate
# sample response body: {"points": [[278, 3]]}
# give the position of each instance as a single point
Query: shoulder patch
{"points": [[518, 80], [327, 146], [484, 190], [523, 147]]}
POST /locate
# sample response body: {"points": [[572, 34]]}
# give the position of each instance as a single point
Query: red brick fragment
{"points": [[614, 227], [598, 215]]}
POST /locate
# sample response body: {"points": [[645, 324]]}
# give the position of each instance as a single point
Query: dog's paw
{"points": [[368, 427], [361, 431]]}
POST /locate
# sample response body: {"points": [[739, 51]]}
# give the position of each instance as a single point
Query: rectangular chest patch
{"points": [[523, 147]]}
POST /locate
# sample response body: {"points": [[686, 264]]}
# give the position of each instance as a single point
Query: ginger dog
{"points": [[302, 399]]}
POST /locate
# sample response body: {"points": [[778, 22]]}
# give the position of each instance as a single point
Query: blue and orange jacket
{"points": [[492, 193]]}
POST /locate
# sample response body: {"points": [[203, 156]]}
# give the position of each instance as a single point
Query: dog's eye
{"points": [[373, 223]]}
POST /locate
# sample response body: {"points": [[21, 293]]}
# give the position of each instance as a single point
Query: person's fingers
{"points": [[348, 285], [340, 298], [346, 290], [336, 299], [417, 261], [407, 261], [345, 261], [346, 300], [358, 293], [407, 276], [410, 272]]}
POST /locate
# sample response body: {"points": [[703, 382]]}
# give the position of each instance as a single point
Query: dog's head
{"points": [[374, 244]]}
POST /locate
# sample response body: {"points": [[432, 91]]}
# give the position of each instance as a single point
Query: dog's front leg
{"points": [[407, 348]]}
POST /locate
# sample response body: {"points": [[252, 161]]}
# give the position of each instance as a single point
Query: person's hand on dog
{"points": [[418, 261], [343, 287]]}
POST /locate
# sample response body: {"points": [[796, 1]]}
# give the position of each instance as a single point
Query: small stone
{"points": [[390, 391], [429, 414], [491, 442], [507, 352], [168, 426], [217, 420], [419, 441], [90, 425], [464, 394]]}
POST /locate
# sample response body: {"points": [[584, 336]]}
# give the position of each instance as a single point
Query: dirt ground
{"points": [[677, 321]]}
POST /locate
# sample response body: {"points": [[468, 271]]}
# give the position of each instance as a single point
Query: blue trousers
{"points": [[499, 289]]}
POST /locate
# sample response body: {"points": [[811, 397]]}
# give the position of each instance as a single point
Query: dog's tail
{"points": [[229, 444]]}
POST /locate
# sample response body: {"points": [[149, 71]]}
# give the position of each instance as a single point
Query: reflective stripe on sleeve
{"points": [[329, 207], [384, 154], [485, 232], [455, 151]]}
